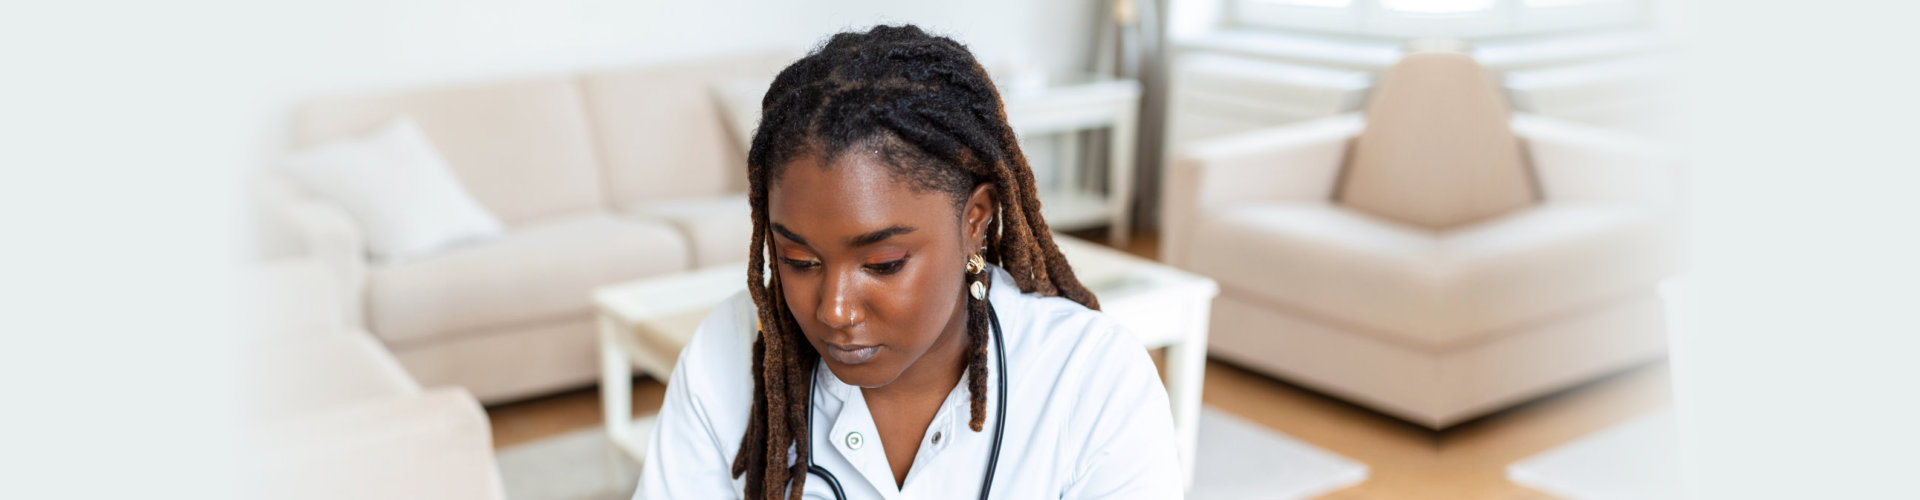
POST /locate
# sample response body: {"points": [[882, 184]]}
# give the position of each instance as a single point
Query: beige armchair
{"points": [[325, 411], [1436, 259]]}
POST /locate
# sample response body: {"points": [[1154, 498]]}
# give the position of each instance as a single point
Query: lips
{"points": [[851, 354]]}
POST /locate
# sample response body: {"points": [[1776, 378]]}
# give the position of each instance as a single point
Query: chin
{"points": [[866, 376]]}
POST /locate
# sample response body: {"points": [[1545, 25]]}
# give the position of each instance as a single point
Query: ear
{"points": [[977, 217]]}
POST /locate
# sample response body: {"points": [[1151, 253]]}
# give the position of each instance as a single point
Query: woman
{"points": [[908, 257]]}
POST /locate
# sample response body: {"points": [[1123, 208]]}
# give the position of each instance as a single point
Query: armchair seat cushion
{"points": [[537, 273], [1432, 289], [299, 374], [717, 228], [432, 445]]}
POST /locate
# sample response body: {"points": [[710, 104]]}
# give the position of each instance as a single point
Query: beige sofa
{"points": [[1436, 259], [600, 177]]}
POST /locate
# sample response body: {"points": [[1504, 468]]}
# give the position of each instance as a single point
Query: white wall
{"points": [[361, 45], [1795, 361]]}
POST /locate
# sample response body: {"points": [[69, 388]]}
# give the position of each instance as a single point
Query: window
{"points": [[1564, 3], [1438, 6], [1431, 18], [1311, 3]]}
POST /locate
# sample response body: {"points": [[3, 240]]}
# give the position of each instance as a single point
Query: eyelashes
{"points": [[888, 267], [879, 268], [800, 265]]}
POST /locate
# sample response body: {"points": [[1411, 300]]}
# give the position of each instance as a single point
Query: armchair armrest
{"points": [[296, 225], [333, 237], [1576, 162], [1295, 162]]}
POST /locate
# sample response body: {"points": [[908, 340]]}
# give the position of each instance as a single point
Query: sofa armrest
{"points": [[1576, 162], [1295, 162], [433, 445]]}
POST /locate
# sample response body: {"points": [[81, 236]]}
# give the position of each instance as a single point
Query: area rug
{"points": [[1241, 460], [1634, 460], [1238, 460]]}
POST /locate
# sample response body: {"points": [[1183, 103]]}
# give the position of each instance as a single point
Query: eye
{"points": [[888, 267], [800, 265]]}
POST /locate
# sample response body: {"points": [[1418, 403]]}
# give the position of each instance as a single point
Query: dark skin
{"points": [[872, 269]]}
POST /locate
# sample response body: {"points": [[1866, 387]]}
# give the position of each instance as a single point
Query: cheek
{"points": [[920, 303], [799, 295]]}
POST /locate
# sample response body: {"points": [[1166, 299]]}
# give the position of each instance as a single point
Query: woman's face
{"points": [[871, 267]]}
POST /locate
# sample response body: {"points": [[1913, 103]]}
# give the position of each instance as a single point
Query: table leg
{"points": [[1186, 370], [1067, 169], [1120, 166], [616, 397]]}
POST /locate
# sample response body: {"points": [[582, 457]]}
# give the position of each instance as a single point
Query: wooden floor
{"points": [[1408, 462]]}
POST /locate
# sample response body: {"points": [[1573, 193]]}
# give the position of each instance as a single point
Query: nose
{"points": [[839, 302]]}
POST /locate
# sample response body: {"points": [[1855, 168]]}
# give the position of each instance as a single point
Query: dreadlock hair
{"points": [[930, 112]]}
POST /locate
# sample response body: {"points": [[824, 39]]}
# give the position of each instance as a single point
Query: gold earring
{"points": [[975, 265]]}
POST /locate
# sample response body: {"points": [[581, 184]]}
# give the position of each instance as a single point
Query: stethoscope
{"points": [[999, 420]]}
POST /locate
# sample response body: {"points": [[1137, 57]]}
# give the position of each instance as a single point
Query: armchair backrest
{"points": [[1437, 151]]}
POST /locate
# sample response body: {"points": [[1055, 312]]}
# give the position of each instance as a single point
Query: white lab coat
{"points": [[1087, 417]]}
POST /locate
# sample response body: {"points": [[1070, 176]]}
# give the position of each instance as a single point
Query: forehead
{"points": [[853, 194]]}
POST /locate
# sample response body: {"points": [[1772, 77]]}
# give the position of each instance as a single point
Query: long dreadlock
{"points": [[928, 107]]}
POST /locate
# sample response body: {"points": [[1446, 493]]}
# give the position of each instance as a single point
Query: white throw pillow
{"points": [[399, 188]]}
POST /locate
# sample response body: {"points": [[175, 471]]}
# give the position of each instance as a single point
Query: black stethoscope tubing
{"points": [[999, 420]]}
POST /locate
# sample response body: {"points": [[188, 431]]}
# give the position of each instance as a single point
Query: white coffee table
{"points": [[646, 323]]}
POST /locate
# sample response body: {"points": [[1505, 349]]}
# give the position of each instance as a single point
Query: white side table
{"points": [[1086, 102], [645, 324]]}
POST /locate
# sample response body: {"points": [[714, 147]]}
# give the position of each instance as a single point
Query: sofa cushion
{"points": [[539, 273], [1437, 151], [521, 148], [660, 129], [717, 228], [1368, 274], [545, 359]]}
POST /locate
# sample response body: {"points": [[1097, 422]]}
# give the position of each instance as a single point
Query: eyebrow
{"points": [[878, 236], [789, 234], [862, 240]]}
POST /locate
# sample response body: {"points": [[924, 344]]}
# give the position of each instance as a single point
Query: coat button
{"points": [[854, 441]]}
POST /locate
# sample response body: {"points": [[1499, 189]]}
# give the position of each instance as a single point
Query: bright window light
{"points": [[1439, 6], [1310, 3], [1564, 3]]}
